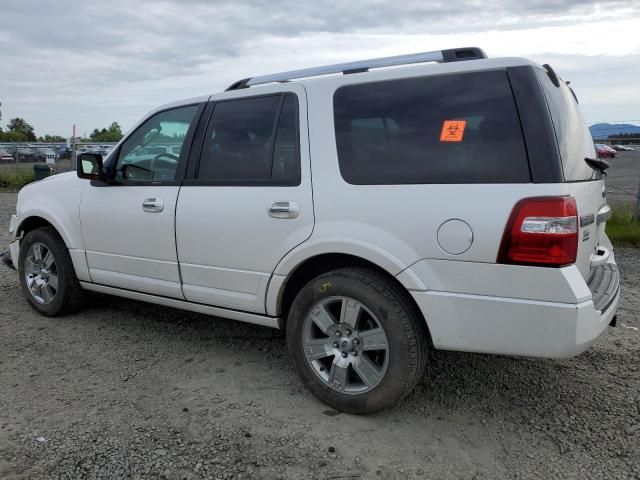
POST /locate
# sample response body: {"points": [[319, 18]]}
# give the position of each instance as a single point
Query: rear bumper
{"points": [[561, 322], [473, 323]]}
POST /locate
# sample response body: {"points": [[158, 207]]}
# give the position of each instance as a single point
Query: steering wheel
{"points": [[173, 160]]}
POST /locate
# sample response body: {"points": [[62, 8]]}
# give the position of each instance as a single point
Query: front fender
{"points": [[56, 200]]}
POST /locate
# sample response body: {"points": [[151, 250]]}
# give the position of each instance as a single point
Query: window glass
{"points": [[574, 139], [252, 140], [286, 163], [461, 128], [149, 153]]}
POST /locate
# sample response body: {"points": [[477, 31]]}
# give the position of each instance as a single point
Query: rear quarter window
{"points": [[458, 128], [572, 134]]}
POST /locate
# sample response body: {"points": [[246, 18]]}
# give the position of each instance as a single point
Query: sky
{"points": [[92, 63]]}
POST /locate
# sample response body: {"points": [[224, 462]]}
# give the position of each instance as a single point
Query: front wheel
{"points": [[47, 276], [356, 341]]}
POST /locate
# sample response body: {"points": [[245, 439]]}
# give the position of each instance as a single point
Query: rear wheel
{"points": [[356, 341], [46, 273]]}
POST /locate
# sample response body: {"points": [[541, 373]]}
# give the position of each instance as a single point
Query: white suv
{"points": [[374, 213]]}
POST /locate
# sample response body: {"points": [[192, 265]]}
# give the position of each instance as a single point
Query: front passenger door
{"points": [[129, 226]]}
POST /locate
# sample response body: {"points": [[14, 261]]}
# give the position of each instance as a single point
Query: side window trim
{"points": [[274, 130], [185, 151], [195, 156]]}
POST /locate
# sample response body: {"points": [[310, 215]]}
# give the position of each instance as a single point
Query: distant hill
{"points": [[603, 130]]}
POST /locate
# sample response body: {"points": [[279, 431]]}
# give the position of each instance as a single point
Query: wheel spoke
{"points": [[46, 293], [37, 291], [367, 371], [349, 312], [323, 319], [53, 281], [37, 252], [338, 376], [373, 339], [318, 348], [30, 266], [48, 259]]}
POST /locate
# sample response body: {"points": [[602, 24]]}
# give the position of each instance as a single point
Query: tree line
{"points": [[19, 130]]}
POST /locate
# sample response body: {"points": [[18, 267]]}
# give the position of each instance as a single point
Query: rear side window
{"points": [[460, 128], [252, 141], [573, 137]]}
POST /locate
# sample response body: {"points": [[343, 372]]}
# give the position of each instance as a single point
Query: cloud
{"points": [[69, 61]]}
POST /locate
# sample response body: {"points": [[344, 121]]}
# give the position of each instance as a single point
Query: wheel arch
{"points": [[289, 285], [36, 221]]}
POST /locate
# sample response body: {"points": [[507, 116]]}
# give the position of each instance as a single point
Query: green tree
{"points": [[111, 134], [52, 139], [19, 125], [13, 137]]}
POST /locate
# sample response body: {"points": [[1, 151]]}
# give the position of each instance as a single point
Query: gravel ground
{"points": [[130, 390], [623, 178]]}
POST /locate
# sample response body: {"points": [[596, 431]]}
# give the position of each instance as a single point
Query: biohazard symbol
{"points": [[452, 130]]}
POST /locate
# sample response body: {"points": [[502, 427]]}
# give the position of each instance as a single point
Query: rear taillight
{"points": [[541, 231]]}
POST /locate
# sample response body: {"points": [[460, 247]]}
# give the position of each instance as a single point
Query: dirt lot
{"points": [[130, 390], [623, 180]]}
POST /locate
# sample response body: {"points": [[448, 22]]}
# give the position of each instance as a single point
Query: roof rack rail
{"points": [[439, 56]]}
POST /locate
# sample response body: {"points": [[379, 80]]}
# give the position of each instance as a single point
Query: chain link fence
{"points": [[21, 163]]}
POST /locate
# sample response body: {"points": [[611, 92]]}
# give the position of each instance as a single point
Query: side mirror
{"points": [[89, 166]]}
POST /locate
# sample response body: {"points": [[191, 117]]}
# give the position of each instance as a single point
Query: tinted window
{"points": [[252, 140], [461, 128], [574, 139], [145, 154], [286, 163]]}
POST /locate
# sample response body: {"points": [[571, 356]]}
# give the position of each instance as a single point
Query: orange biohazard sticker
{"points": [[452, 130]]}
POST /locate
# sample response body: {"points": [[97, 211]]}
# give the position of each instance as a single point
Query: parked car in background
{"points": [[622, 148], [27, 153], [63, 151], [154, 151], [5, 156], [605, 151]]}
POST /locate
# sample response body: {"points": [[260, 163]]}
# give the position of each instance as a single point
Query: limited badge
{"points": [[452, 130]]}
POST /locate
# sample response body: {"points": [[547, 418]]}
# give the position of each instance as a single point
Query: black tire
{"points": [[405, 329], [69, 296]]}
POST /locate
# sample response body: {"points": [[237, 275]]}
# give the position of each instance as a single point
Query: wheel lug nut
{"points": [[348, 332], [344, 354], [356, 341], [335, 345], [338, 333], [354, 353]]}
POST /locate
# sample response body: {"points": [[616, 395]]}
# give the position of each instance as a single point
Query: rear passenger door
{"points": [[247, 200]]}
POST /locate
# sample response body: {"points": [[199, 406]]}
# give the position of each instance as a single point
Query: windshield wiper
{"points": [[597, 164]]}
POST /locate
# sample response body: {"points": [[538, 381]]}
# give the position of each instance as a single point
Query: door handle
{"points": [[153, 205], [284, 210]]}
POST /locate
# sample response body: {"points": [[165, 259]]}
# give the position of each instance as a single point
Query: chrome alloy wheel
{"points": [[345, 345], [40, 273]]}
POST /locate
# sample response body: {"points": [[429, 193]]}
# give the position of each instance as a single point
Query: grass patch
{"points": [[15, 179], [622, 228]]}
